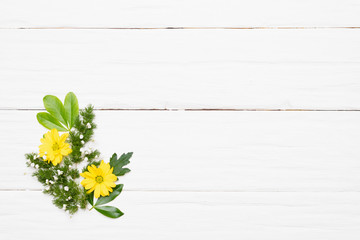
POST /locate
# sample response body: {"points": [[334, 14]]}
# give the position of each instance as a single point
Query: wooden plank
{"points": [[209, 151], [186, 13], [241, 69], [159, 215]]}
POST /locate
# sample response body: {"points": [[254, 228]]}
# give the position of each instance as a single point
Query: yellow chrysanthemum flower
{"points": [[101, 179], [54, 147]]}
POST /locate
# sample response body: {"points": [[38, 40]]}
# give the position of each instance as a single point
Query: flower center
{"points": [[55, 146], [99, 179]]}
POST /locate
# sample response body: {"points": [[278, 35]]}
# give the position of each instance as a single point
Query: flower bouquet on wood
{"points": [[56, 163]]}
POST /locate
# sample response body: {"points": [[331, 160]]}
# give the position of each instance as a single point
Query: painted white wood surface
{"points": [[210, 151], [181, 69], [195, 174], [184, 215], [185, 13]]}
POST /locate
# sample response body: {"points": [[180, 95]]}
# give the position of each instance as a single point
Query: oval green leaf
{"points": [[55, 107], [116, 192], [49, 121], [109, 211], [71, 108]]}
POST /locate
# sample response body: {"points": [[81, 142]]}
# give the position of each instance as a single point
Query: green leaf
{"points": [[50, 122], [109, 211], [118, 164], [71, 108], [113, 159], [90, 198], [55, 107], [116, 191]]}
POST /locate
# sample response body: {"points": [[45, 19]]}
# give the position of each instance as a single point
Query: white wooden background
{"points": [[244, 116]]}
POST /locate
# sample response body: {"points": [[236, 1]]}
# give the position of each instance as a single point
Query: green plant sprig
{"points": [[61, 181]]}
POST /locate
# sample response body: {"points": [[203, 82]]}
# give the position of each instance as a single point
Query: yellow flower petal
{"points": [[97, 191], [91, 189], [110, 178], [87, 175], [92, 169], [53, 148], [104, 192]]}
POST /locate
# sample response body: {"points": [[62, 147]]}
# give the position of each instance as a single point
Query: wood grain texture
{"points": [[209, 151], [171, 13], [323, 216], [182, 69]]}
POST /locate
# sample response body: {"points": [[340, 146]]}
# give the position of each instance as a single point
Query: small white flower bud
{"points": [[88, 125], [47, 181], [81, 136], [85, 159], [70, 166], [82, 142], [51, 182], [59, 172], [44, 157], [82, 149], [55, 178], [66, 188], [37, 166], [32, 164]]}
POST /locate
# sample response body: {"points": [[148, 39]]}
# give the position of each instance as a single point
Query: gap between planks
{"points": [[173, 28], [198, 190], [201, 109]]}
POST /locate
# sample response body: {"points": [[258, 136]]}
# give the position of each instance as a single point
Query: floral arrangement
{"points": [[60, 155]]}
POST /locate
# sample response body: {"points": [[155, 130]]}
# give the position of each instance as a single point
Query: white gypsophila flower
{"points": [[70, 166], [69, 198], [47, 188], [88, 125], [51, 182], [85, 159], [47, 181], [81, 136], [37, 166], [66, 188], [59, 172], [82, 150], [64, 206], [82, 142], [32, 164], [55, 178], [44, 157]]}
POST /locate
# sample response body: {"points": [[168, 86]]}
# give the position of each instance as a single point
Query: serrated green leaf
{"points": [[55, 107], [71, 108], [116, 192], [50, 122], [109, 211], [118, 164], [90, 198], [113, 159], [122, 172]]}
